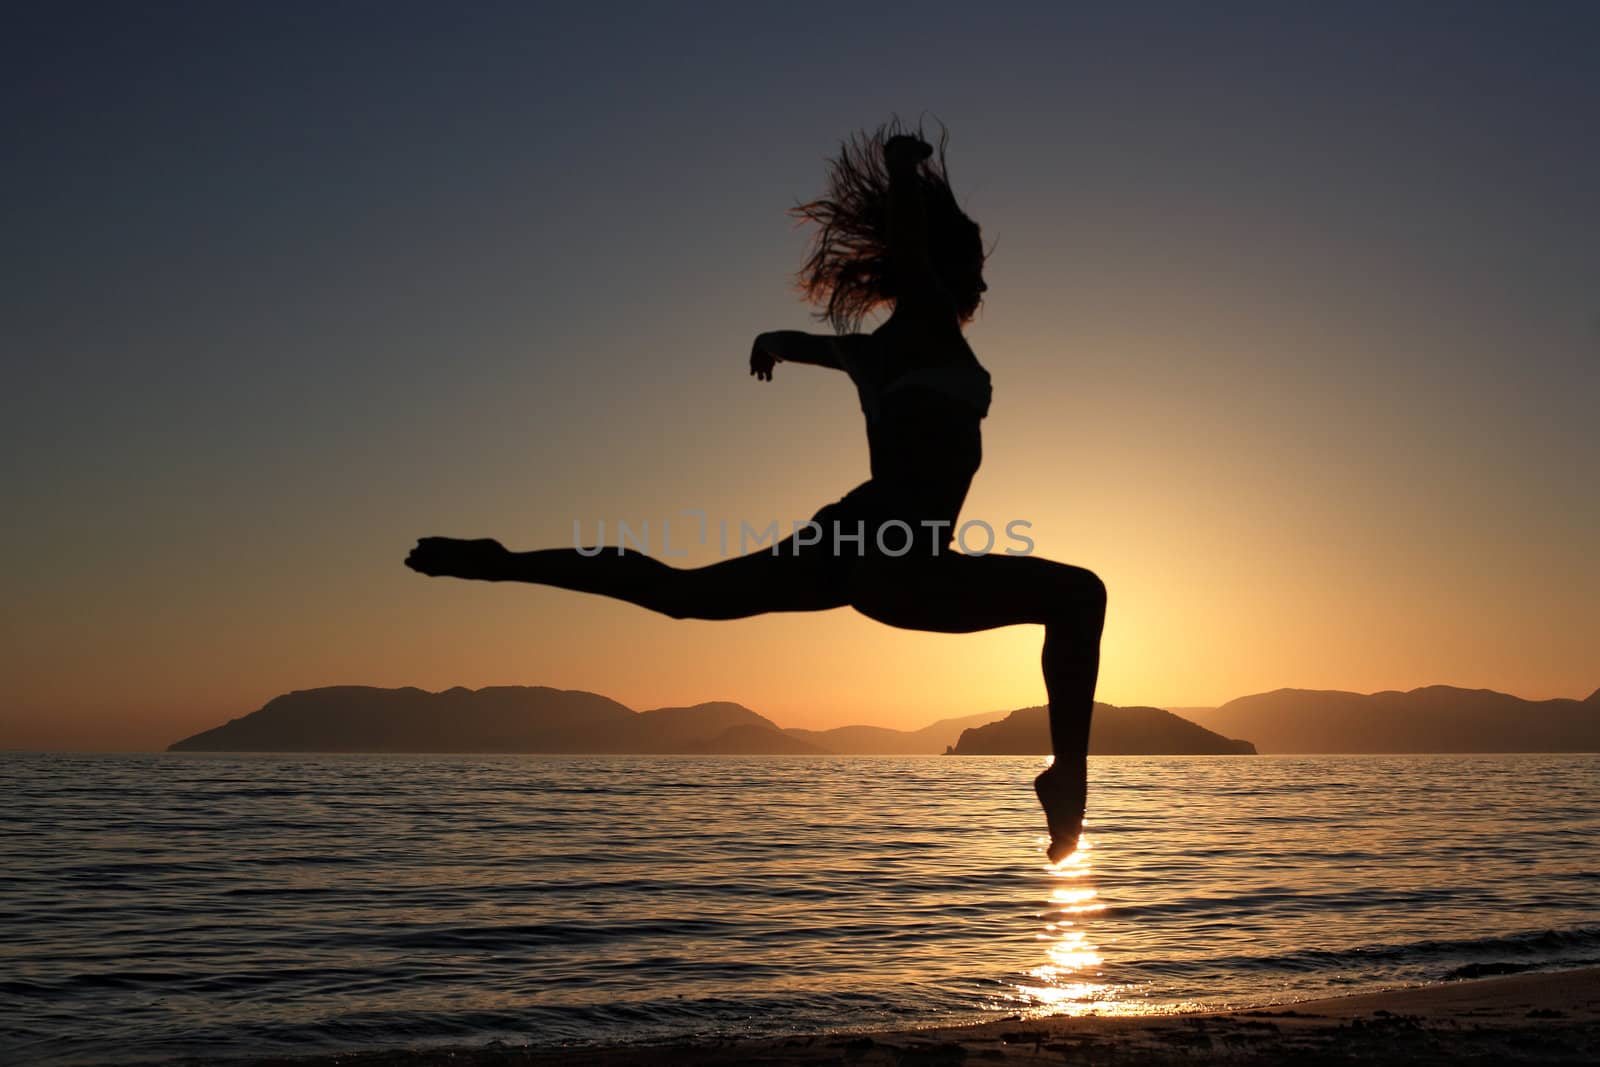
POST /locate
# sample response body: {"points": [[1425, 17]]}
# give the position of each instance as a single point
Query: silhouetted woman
{"points": [[890, 234]]}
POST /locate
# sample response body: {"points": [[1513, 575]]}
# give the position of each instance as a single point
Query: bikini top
{"points": [[968, 384]]}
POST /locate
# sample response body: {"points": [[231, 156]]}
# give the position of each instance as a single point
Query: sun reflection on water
{"points": [[1071, 981]]}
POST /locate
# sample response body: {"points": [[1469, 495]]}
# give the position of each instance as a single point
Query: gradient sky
{"points": [[1293, 322]]}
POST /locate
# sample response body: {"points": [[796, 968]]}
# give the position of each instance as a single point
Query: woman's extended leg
{"points": [[962, 594], [737, 588]]}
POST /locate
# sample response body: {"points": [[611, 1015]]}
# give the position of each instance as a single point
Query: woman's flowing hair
{"points": [[847, 273]]}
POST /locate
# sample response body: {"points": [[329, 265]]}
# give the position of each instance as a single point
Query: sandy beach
{"points": [[1527, 1018]]}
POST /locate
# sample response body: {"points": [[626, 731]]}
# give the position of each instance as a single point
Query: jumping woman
{"points": [[889, 235]]}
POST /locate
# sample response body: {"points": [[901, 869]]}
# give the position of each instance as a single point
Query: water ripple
{"points": [[154, 906]]}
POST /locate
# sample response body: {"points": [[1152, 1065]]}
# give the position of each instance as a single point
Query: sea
{"points": [[160, 906]]}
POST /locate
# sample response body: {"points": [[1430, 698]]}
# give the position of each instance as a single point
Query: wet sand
{"points": [[1527, 1018]]}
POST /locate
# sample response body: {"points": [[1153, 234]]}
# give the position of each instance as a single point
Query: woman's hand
{"points": [[792, 346], [904, 151], [762, 358]]}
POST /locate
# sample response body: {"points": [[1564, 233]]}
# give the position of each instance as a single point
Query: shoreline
{"points": [[1534, 1017]]}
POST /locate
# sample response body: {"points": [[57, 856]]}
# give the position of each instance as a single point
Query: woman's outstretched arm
{"points": [[793, 346]]}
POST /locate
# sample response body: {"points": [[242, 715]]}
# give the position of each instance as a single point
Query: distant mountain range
{"points": [[882, 741], [539, 719], [1437, 718], [354, 718]]}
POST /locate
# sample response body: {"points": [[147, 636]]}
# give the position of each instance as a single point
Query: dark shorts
{"points": [[869, 521]]}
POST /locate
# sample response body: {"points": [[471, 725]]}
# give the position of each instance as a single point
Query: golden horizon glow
{"points": [[1316, 427]]}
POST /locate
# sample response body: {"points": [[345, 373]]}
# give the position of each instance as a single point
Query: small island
{"points": [[1114, 731]]}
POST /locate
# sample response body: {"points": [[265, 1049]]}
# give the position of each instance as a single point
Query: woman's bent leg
{"points": [[963, 594]]}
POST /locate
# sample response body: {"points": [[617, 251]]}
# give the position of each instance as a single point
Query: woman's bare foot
{"points": [[448, 557], [1063, 792]]}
